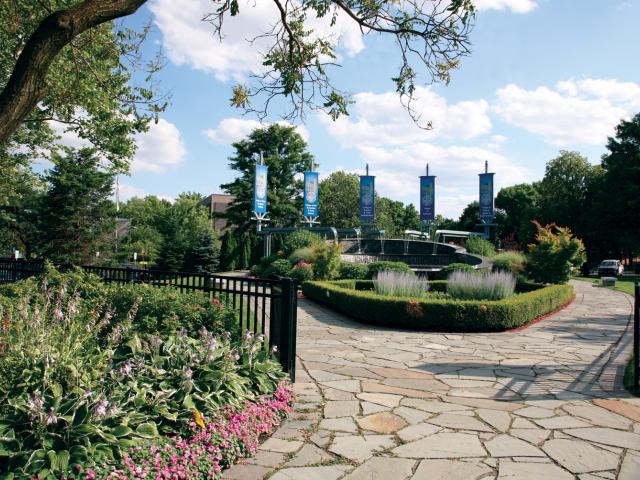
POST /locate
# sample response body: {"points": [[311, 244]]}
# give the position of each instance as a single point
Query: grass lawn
{"points": [[624, 284]]}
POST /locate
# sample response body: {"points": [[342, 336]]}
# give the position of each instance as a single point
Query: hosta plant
{"points": [[52, 388]]}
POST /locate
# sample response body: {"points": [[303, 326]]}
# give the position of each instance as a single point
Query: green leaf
{"points": [[121, 431], [81, 415], [147, 430], [188, 402]]}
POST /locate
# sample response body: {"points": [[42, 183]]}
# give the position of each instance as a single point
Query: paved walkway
{"points": [[542, 403]]}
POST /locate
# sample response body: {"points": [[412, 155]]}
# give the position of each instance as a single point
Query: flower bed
{"points": [[83, 382], [214, 444], [356, 299]]}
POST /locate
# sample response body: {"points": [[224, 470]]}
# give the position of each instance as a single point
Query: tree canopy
{"points": [[431, 38], [285, 154]]}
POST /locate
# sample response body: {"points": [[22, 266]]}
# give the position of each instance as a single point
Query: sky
{"points": [[543, 76]]}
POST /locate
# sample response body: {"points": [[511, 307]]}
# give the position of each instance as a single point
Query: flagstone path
{"points": [[542, 403]]}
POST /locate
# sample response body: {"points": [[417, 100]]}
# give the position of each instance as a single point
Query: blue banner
{"points": [[260, 189], [310, 194], [367, 198], [486, 196], [427, 198]]}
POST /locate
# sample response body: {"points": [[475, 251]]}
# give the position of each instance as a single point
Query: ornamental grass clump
{"points": [[399, 284], [488, 286]]}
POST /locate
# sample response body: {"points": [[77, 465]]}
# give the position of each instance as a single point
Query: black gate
{"points": [[263, 306]]}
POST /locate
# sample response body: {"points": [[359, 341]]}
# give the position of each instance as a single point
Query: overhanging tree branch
{"points": [[27, 84]]}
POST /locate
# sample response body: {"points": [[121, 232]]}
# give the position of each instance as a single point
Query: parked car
{"points": [[610, 268]]}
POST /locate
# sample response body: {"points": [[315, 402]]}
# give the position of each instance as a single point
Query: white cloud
{"points": [[126, 192], [159, 149], [232, 129], [380, 119], [188, 40], [516, 6], [574, 112]]}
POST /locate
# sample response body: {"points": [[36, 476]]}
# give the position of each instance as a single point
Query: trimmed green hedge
{"points": [[355, 299]]}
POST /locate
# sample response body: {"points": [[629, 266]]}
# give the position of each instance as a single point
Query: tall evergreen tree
{"points": [[76, 212], [617, 216], [205, 256], [228, 252], [285, 154]]}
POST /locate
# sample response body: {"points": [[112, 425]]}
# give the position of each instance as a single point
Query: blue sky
{"points": [[544, 75]]}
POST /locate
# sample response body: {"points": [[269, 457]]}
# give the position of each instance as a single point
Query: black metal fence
{"points": [[267, 306], [636, 339]]}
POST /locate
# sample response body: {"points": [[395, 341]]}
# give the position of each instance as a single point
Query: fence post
{"points": [[129, 276], [288, 326], [636, 338]]}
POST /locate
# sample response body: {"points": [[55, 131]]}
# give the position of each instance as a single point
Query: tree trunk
{"points": [[27, 84]]}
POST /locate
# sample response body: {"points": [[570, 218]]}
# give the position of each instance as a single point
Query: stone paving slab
{"points": [[542, 403]]}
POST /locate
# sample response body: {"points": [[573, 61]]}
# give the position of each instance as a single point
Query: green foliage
{"points": [[438, 314], [479, 246], [166, 310], [279, 267], [555, 255], [512, 262], [285, 154], [486, 286], [521, 205], [89, 372], [301, 272], [374, 268], [184, 225], [565, 190], [76, 210], [456, 267], [618, 193], [300, 239], [339, 200], [205, 256], [228, 254], [99, 88], [326, 261], [301, 255], [50, 385], [356, 271]]}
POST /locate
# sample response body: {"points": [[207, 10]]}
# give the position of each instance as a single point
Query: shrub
{"points": [[456, 267], [479, 246], [300, 239], [438, 314], [375, 267], [399, 284], [556, 253], [301, 255], [256, 270], [50, 385], [326, 261], [357, 271], [280, 267], [489, 286], [512, 262], [78, 384], [166, 310], [301, 272], [268, 260]]}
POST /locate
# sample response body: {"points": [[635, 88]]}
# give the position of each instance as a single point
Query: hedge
{"points": [[355, 299]]}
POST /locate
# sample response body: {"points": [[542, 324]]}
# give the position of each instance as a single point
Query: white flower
{"points": [[52, 419]]}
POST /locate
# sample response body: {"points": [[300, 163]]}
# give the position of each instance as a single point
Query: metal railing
{"points": [[636, 338], [267, 306]]}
